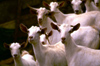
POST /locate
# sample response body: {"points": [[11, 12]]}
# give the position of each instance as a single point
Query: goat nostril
{"points": [[31, 37], [63, 38], [40, 19], [76, 11], [97, 4], [15, 55], [43, 43]]}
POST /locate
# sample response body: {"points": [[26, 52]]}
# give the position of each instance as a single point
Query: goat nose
{"points": [[31, 37], [40, 21], [76, 11], [15, 55], [43, 42], [97, 4], [63, 38]]}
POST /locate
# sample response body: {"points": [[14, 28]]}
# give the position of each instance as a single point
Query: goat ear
{"points": [[50, 13], [45, 4], [50, 33], [33, 10], [76, 27], [6, 45], [54, 26], [23, 45], [43, 30], [23, 28], [61, 4]]}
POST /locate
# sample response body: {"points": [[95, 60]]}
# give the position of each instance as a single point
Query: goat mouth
{"points": [[97, 4], [63, 41], [15, 56], [76, 12]]}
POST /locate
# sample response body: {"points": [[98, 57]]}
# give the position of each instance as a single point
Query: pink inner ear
{"points": [[61, 4], [45, 4], [6, 45], [23, 28]]}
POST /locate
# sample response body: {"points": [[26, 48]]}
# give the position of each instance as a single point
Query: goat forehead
{"points": [[65, 27], [76, 2], [41, 9], [33, 29], [14, 45], [53, 4], [42, 36]]}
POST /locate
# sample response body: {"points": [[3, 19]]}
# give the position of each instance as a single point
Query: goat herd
{"points": [[71, 41]]}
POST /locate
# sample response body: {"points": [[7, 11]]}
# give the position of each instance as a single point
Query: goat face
{"points": [[33, 34], [42, 14], [76, 4], [53, 6], [43, 39], [15, 49], [97, 2], [65, 30]]}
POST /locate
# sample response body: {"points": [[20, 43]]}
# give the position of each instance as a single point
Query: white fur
{"points": [[86, 36], [76, 6], [45, 23], [46, 55], [85, 19], [90, 5], [25, 60], [43, 39], [97, 2], [59, 16], [85, 31], [78, 55]]}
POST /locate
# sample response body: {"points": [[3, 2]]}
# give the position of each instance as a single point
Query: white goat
{"points": [[25, 60], [97, 3], [77, 55], [85, 36], [85, 19], [44, 38], [76, 4], [44, 22], [83, 33], [46, 55], [60, 17], [89, 4]]}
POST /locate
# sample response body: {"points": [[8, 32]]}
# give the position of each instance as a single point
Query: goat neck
{"points": [[70, 48], [59, 16], [39, 51]]}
